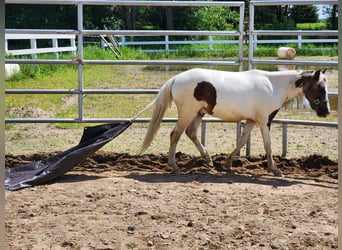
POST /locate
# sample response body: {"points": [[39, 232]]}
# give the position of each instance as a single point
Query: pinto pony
{"points": [[255, 96]]}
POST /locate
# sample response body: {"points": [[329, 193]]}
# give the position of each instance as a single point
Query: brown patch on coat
{"points": [[205, 91], [306, 76]]}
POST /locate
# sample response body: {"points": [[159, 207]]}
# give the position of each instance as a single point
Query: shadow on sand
{"points": [[230, 178]]}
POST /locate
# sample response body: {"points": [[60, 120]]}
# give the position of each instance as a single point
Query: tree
{"points": [[96, 17], [273, 18], [216, 18], [304, 14], [163, 18], [169, 18], [40, 17], [332, 20]]}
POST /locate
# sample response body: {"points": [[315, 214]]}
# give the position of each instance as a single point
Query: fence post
{"points": [[33, 43], [6, 46], [123, 41], [80, 59], [248, 146], [241, 36], [250, 33], [203, 132], [55, 45], [255, 42], [210, 42], [283, 154], [299, 41], [73, 44], [102, 45], [167, 43], [238, 134]]}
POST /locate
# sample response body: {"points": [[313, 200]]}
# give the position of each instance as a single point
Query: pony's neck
{"points": [[288, 89], [293, 91]]}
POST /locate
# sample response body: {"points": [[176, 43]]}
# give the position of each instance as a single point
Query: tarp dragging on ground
{"points": [[45, 170]]}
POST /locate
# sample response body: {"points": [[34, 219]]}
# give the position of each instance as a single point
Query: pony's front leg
{"points": [[242, 141], [267, 145]]}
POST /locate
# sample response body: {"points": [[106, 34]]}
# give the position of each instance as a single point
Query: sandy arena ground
{"points": [[122, 201]]}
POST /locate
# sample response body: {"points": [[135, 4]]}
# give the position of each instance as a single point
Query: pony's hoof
{"points": [[228, 165], [277, 173], [210, 163], [229, 172], [176, 172], [207, 159]]}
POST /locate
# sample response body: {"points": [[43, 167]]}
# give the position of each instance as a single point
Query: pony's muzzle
{"points": [[323, 111]]}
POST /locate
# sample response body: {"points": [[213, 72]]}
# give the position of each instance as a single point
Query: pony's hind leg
{"points": [[242, 141], [182, 123], [191, 132]]}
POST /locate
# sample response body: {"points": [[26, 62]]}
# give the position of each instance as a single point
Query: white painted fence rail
{"points": [[299, 41], [34, 50], [166, 43]]}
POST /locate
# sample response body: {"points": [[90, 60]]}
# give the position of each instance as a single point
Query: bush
{"points": [[311, 26]]}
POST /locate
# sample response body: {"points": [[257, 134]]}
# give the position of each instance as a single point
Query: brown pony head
{"points": [[315, 89]]}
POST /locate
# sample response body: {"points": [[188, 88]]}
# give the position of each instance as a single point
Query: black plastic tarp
{"points": [[46, 170]]}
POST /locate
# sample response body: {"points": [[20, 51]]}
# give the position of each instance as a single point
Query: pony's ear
{"points": [[324, 70], [316, 75]]}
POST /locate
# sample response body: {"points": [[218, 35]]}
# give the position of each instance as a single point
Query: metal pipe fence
{"points": [[253, 33], [80, 61], [80, 33]]}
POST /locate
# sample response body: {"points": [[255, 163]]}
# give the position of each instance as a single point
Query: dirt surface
{"points": [[122, 201]]}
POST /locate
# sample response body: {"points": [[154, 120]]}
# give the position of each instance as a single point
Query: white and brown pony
{"points": [[255, 96]]}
